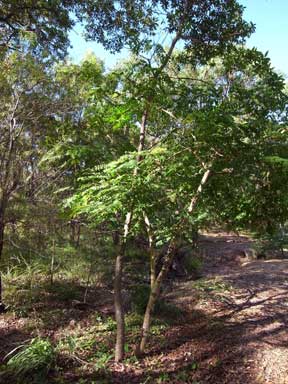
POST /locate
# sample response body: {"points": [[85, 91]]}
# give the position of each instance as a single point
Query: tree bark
{"points": [[2, 229], [152, 252], [155, 290], [154, 294], [118, 301]]}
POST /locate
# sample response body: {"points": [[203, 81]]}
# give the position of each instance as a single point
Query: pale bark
{"points": [[118, 304], [152, 251], [155, 290], [118, 301], [2, 228]]}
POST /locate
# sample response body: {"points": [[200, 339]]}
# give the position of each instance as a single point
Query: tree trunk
{"points": [[2, 229], [119, 310], [155, 291], [154, 294], [52, 261], [118, 300], [152, 252]]}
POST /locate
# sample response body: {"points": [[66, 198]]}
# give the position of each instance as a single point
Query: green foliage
{"points": [[211, 285], [71, 132], [102, 359], [274, 244], [135, 26], [140, 297], [163, 378], [34, 359], [108, 325], [229, 132], [134, 319], [43, 25]]}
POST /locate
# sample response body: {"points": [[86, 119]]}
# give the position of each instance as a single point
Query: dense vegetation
{"points": [[106, 175]]}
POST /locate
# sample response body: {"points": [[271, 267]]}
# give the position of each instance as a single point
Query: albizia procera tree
{"points": [[209, 135], [203, 29]]}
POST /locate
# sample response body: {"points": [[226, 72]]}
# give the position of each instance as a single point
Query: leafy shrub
{"points": [[103, 357], [134, 319], [272, 244]]}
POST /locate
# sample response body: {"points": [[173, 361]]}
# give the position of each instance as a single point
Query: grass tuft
{"points": [[34, 359]]}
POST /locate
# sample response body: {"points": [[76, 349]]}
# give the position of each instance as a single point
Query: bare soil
{"points": [[252, 314]]}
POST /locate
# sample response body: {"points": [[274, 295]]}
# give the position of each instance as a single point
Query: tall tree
{"points": [[27, 111], [44, 23]]}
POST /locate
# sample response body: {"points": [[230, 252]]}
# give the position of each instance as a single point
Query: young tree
{"points": [[228, 138], [212, 124]]}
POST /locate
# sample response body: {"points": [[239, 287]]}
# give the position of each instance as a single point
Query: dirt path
{"points": [[249, 309]]}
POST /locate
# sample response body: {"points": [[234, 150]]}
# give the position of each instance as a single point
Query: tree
{"points": [[44, 23], [28, 106], [215, 126]]}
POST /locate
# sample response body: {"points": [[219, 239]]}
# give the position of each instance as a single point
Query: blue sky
{"points": [[270, 17]]}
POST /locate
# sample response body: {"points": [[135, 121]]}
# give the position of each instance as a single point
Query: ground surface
{"points": [[233, 328], [251, 315]]}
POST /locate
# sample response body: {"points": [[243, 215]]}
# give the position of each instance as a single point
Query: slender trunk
{"points": [[118, 299], [155, 291], [52, 263], [78, 232], [1, 250], [152, 266], [119, 310], [88, 281], [152, 252], [2, 229], [118, 302], [154, 294]]}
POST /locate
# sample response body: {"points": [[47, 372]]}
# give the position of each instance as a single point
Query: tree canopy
{"points": [[189, 132]]}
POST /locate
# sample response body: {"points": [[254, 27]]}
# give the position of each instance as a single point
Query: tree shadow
{"points": [[221, 344], [217, 343], [47, 309], [10, 339]]}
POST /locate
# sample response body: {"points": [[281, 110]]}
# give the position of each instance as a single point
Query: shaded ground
{"points": [[252, 311], [232, 328]]}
